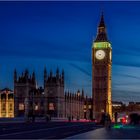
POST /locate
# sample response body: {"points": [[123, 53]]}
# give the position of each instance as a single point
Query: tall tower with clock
{"points": [[101, 72]]}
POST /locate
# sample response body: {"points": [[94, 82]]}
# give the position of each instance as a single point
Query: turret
{"points": [[82, 93], [33, 77], [51, 74], [78, 92], [15, 76], [22, 75], [26, 75], [57, 74], [45, 76], [62, 77], [63, 74]]}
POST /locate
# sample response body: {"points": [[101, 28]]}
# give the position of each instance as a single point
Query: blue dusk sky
{"points": [[60, 34]]}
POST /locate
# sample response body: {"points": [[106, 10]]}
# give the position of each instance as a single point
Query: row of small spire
{"points": [[51, 73], [76, 96], [25, 77]]}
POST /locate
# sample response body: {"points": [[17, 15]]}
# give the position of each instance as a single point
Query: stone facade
{"points": [[74, 105], [54, 93], [49, 100], [24, 86], [101, 73]]}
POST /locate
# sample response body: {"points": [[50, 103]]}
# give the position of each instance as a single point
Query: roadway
{"points": [[124, 132], [44, 130]]}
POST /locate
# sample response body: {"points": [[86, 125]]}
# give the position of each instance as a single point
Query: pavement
{"points": [[125, 132], [38, 119], [66, 130], [44, 130]]}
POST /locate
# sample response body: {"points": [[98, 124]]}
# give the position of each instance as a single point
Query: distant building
{"points": [[133, 107], [6, 103], [118, 107]]}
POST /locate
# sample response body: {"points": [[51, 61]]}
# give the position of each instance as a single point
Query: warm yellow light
{"points": [[21, 106], [89, 106], [51, 106], [85, 107], [6, 104], [78, 93], [36, 107]]}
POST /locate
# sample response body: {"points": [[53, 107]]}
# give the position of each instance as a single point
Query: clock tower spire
{"points": [[101, 33], [101, 72]]}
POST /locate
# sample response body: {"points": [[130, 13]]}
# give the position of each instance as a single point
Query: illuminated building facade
{"points": [[6, 103], [101, 72]]}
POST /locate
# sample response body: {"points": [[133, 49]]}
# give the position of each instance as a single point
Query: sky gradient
{"points": [[60, 34]]}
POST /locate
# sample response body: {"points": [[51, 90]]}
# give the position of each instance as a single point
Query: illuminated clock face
{"points": [[100, 54]]}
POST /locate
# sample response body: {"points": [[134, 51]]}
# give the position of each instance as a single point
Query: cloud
{"points": [[121, 84], [127, 64], [80, 69], [125, 95], [127, 75]]}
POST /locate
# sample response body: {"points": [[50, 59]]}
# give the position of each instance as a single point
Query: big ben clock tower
{"points": [[101, 72]]}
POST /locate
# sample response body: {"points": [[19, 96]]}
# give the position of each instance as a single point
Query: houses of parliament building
{"points": [[50, 99], [27, 99]]}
